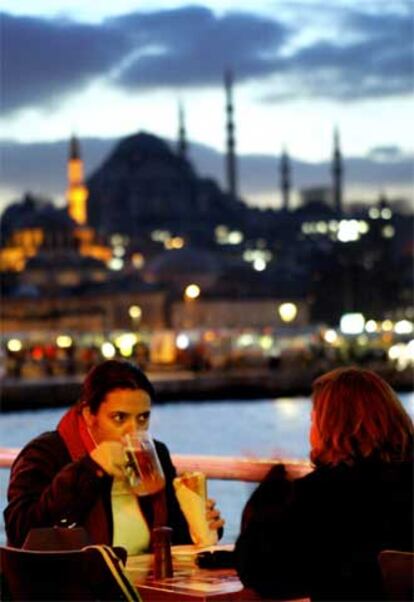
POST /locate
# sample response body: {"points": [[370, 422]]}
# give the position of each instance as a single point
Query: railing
{"points": [[214, 467]]}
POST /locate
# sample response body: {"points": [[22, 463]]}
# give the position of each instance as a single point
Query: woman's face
{"points": [[123, 411]]}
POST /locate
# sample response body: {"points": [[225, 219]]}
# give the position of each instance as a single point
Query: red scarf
{"points": [[78, 440]]}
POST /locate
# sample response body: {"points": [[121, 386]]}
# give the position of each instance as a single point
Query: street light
{"points": [[287, 312], [135, 312], [191, 292]]}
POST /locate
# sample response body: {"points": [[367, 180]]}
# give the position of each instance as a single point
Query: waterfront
{"points": [[268, 427]]}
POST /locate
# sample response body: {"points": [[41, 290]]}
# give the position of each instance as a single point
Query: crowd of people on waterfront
{"points": [[317, 536]]}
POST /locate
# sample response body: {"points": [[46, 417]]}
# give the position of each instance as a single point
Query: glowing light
{"points": [[192, 291], [322, 227], [287, 311], [363, 227], [64, 341], [402, 355], [266, 342], [386, 213], [374, 213], [387, 325], [116, 263], [108, 350], [182, 341], [330, 336], [348, 230], [14, 345], [245, 340], [352, 323], [388, 231], [235, 237], [403, 327], [135, 312], [138, 260], [125, 343], [259, 264], [371, 326], [119, 251]]}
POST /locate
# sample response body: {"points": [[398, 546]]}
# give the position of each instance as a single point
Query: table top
{"points": [[189, 583]]}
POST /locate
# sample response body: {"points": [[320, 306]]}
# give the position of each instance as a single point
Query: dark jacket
{"points": [[320, 535], [46, 487]]}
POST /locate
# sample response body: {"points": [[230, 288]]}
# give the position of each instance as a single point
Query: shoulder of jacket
{"points": [[49, 442]]}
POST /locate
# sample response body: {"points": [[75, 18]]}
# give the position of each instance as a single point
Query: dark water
{"points": [[260, 428]]}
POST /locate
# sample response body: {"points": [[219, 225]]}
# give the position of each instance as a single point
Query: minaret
{"points": [[231, 155], [76, 193], [182, 136], [285, 179], [337, 174]]}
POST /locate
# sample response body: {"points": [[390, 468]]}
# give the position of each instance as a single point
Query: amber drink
{"points": [[143, 470]]}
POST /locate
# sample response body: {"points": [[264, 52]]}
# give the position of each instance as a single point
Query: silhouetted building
{"points": [[231, 169], [337, 174], [285, 179]]}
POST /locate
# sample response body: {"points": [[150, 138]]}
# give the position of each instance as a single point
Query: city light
{"points": [[182, 341], [352, 323], [403, 327], [330, 336], [108, 350], [135, 312], [64, 341], [348, 230], [192, 291], [14, 345], [259, 264], [287, 311], [371, 326]]}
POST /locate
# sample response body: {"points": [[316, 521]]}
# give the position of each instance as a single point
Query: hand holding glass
{"points": [[142, 468]]}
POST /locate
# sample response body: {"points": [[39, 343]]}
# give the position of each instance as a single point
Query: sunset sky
{"points": [[107, 69]]}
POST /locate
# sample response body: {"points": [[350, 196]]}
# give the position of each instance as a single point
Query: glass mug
{"points": [[143, 470]]}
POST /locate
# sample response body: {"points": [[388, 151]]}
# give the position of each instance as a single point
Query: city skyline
{"points": [[300, 70]]}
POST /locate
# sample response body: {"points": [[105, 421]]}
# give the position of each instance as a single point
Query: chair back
{"points": [[397, 570], [91, 574]]}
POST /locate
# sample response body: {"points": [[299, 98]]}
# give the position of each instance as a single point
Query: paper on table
{"points": [[190, 492]]}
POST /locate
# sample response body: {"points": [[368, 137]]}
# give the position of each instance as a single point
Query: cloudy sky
{"points": [[108, 69]]}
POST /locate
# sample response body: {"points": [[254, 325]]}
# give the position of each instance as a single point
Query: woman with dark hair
{"points": [[75, 475], [320, 535]]}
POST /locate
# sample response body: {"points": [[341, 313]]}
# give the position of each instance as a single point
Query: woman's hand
{"points": [[110, 457], [213, 516]]}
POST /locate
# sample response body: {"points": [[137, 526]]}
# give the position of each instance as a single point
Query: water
{"points": [[260, 428]]}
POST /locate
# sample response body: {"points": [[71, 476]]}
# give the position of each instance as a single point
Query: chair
{"points": [[92, 573], [397, 570]]}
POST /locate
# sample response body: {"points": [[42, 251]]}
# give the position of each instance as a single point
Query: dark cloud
{"points": [[46, 59], [373, 58], [191, 46]]}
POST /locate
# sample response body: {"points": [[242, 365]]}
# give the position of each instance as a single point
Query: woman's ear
{"points": [[88, 416]]}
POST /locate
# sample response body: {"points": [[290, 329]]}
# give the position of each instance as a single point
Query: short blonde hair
{"points": [[356, 414]]}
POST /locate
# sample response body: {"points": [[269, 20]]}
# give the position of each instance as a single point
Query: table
{"points": [[189, 583]]}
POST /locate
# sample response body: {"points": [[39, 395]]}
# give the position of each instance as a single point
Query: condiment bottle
{"points": [[161, 545]]}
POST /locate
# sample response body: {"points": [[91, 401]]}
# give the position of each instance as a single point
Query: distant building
{"points": [[77, 193]]}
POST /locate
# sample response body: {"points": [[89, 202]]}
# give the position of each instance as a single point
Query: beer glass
{"points": [[143, 470]]}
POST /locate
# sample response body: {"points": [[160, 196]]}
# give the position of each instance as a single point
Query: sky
{"points": [[301, 68]]}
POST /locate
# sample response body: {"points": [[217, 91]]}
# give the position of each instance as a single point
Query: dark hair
{"points": [[111, 375], [358, 415]]}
